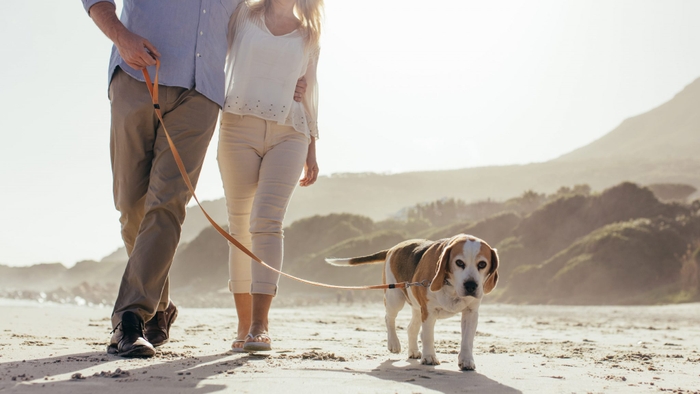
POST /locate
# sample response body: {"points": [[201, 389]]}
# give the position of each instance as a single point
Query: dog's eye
{"points": [[460, 263], [481, 265]]}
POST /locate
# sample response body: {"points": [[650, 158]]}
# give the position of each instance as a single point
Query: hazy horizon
{"points": [[414, 89]]}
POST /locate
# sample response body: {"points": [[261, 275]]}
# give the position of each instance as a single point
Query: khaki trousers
{"points": [[148, 189], [260, 163]]}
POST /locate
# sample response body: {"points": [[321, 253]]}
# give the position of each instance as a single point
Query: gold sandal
{"points": [[258, 346], [238, 349]]}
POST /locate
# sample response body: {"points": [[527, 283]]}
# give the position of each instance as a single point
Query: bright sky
{"points": [[406, 85]]}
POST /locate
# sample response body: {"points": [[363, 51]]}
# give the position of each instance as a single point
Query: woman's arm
{"points": [[310, 101], [310, 167]]}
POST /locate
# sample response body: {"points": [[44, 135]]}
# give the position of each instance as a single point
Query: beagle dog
{"points": [[456, 271]]}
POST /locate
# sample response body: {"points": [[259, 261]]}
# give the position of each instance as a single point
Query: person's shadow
{"points": [[174, 374]]}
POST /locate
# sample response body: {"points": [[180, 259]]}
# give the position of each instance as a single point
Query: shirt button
{"points": [[198, 55], [204, 11], [201, 33]]}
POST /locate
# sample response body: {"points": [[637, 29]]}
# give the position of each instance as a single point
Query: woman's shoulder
{"points": [[242, 15]]}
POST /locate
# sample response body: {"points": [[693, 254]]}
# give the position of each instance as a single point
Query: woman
{"points": [[265, 140]]}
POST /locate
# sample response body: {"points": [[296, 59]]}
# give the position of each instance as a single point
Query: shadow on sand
{"points": [[174, 373], [428, 377], [166, 375]]}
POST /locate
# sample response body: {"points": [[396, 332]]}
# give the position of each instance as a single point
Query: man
{"points": [[189, 38]]}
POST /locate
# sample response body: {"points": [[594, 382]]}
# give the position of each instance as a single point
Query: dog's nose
{"points": [[470, 286]]}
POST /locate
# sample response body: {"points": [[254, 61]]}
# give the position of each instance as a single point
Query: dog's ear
{"points": [[492, 279], [441, 269]]}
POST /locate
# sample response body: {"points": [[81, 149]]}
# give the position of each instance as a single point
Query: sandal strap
{"points": [[262, 335]]}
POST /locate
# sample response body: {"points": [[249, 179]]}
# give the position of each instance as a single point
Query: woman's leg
{"points": [[280, 169], [239, 156], [244, 303]]}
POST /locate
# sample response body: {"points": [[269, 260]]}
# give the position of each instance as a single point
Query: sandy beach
{"points": [[342, 347]]}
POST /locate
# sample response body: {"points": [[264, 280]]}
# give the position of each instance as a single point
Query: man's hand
{"points": [[300, 89], [136, 51]]}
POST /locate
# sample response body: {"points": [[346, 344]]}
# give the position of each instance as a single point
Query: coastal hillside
{"points": [[615, 221], [668, 132], [619, 246], [659, 146], [574, 246]]}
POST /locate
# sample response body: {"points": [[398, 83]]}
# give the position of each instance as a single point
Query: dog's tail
{"points": [[378, 257]]}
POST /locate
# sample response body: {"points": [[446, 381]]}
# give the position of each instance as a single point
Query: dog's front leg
{"points": [[413, 329], [470, 318], [428, 338]]}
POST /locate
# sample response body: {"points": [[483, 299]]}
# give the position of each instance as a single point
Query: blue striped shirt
{"points": [[190, 36]]}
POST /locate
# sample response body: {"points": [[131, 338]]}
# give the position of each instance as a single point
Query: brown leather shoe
{"points": [[132, 342], [158, 329]]}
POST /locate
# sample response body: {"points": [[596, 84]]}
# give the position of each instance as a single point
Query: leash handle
{"points": [[153, 91]]}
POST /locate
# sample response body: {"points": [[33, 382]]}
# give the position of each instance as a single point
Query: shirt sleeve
{"points": [[311, 96], [239, 11], [89, 3]]}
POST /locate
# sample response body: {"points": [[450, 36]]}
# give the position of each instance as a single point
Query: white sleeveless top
{"points": [[262, 72]]}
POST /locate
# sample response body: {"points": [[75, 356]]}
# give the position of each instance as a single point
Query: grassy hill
{"points": [[573, 246], [621, 245]]}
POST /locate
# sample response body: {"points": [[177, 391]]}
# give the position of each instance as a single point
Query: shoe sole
{"points": [[252, 347], [138, 352]]}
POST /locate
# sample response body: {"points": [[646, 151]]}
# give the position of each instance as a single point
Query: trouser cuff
{"points": [[239, 286], [263, 288]]}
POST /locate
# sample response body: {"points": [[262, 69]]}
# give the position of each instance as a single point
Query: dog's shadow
{"points": [[445, 381], [441, 380]]}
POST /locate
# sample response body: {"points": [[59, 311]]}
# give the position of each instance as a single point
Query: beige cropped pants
{"points": [[260, 163]]}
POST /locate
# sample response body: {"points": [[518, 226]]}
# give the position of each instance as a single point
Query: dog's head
{"points": [[469, 264]]}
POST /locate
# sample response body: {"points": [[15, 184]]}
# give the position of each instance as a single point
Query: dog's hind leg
{"points": [[413, 330], [394, 301]]}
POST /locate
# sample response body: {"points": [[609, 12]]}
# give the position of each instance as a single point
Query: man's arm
{"points": [[136, 51]]}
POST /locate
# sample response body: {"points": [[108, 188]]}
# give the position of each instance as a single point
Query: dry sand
{"points": [[342, 349]]}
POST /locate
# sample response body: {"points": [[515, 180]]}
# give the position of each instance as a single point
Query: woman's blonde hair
{"points": [[309, 13]]}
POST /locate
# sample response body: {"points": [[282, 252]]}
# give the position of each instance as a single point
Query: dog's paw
{"points": [[430, 360], [415, 354], [467, 365], [394, 346]]}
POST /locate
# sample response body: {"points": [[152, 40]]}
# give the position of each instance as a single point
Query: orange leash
{"points": [[153, 90]]}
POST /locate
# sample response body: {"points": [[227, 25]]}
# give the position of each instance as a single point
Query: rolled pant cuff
{"points": [[239, 286], [263, 288]]}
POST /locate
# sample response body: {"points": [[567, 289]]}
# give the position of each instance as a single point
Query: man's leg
{"points": [[190, 118], [133, 133]]}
